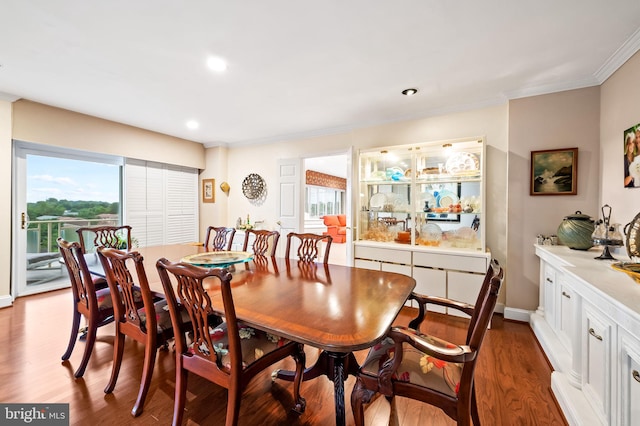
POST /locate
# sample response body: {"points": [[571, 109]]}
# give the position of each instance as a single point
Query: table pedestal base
{"points": [[336, 366]]}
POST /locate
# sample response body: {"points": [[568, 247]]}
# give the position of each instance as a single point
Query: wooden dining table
{"points": [[338, 309]]}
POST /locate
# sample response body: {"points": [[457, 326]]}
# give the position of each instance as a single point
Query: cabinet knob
{"points": [[636, 375], [549, 280], [593, 333], [567, 295]]}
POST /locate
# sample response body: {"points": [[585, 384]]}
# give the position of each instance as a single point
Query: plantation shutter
{"points": [[161, 203]]}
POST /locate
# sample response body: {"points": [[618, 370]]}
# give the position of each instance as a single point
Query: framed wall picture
{"points": [[208, 190], [632, 157], [554, 172]]}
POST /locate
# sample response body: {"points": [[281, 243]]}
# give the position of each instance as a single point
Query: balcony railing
{"points": [[42, 234]]}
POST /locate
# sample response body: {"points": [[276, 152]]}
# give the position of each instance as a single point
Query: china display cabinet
{"points": [[420, 212]]}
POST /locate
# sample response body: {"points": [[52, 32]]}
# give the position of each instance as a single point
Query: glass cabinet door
{"points": [[424, 195]]}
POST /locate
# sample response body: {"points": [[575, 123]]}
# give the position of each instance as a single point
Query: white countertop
{"points": [[614, 285]]}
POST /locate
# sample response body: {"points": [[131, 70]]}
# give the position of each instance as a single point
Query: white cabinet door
{"points": [[550, 292], [566, 308], [629, 380], [597, 337], [431, 282], [463, 287]]}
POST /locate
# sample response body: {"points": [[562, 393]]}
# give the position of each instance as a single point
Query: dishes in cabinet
{"points": [[447, 198], [397, 202], [463, 237], [428, 197], [377, 201], [430, 235], [462, 164]]}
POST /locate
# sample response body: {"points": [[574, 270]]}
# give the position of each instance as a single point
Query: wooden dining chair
{"points": [[309, 246], [148, 323], [91, 238], [229, 354], [219, 238], [414, 365], [95, 305], [264, 244]]}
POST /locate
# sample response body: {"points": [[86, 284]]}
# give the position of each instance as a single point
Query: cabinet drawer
{"points": [[383, 255], [451, 262], [367, 264]]}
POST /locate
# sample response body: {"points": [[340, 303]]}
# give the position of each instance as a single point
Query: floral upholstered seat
{"points": [[416, 366], [255, 343]]}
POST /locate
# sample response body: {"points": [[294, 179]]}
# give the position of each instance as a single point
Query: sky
{"points": [[74, 180]]}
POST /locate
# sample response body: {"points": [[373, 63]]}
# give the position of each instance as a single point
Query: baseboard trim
{"points": [[513, 314], [6, 301]]}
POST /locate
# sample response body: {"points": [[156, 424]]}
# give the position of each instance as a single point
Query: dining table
{"points": [[338, 309]]}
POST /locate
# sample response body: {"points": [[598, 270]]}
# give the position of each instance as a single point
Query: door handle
{"points": [[567, 295], [593, 333], [23, 220], [636, 375]]}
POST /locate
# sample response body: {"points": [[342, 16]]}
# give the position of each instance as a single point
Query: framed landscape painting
{"points": [[554, 172]]}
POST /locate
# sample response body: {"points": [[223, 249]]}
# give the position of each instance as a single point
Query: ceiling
{"points": [[297, 68]]}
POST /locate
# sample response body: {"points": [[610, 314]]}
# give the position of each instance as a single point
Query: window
{"points": [[320, 201]]}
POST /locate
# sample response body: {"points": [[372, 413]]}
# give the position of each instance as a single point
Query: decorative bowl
{"points": [[631, 269]]}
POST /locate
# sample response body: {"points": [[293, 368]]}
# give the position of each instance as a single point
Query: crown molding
{"points": [[619, 57]]}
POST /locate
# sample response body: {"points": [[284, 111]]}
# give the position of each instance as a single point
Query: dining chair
{"points": [[219, 238], [148, 323], [309, 246], [91, 238], [229, 354], [264, 244], [411, 364], [95, 305]]}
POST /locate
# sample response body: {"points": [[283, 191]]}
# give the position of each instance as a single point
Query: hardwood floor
{"points": [[512, 377]]}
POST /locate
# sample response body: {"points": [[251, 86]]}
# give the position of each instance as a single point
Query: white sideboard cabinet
{"points": [[588, 324]]}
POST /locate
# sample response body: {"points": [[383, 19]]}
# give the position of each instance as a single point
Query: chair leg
{"points": [[393, 414], [147, 374], [475, 416], [181, 391], [359, 397], [118, 351], [92, 330], [300, 358], [234, 396], [75, 326]]}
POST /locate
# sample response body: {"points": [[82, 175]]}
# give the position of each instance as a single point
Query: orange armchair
{"points": [[336, 227]]}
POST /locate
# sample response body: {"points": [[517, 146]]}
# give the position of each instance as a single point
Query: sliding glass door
{"points": [[54, 192]]}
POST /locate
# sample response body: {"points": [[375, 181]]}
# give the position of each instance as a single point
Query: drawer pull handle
{"points": [[593, 333], [567, 295], [636, 375], [549, 280]]}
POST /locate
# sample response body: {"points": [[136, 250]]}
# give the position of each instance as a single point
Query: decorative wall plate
{"points": [[253, 186], [632, 230]]}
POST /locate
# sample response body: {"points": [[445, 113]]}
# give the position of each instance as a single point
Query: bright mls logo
{"points": [[35, 414]]}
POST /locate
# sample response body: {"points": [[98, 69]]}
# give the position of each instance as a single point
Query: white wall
{"points": [[559, 120], [5, 194], [619, 110]]}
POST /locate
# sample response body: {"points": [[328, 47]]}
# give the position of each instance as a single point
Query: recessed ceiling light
{"points": [[216, 64], [409, 92], [192, 124]]}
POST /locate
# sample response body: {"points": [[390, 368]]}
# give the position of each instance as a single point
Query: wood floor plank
{"points": [[512, 377]]}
